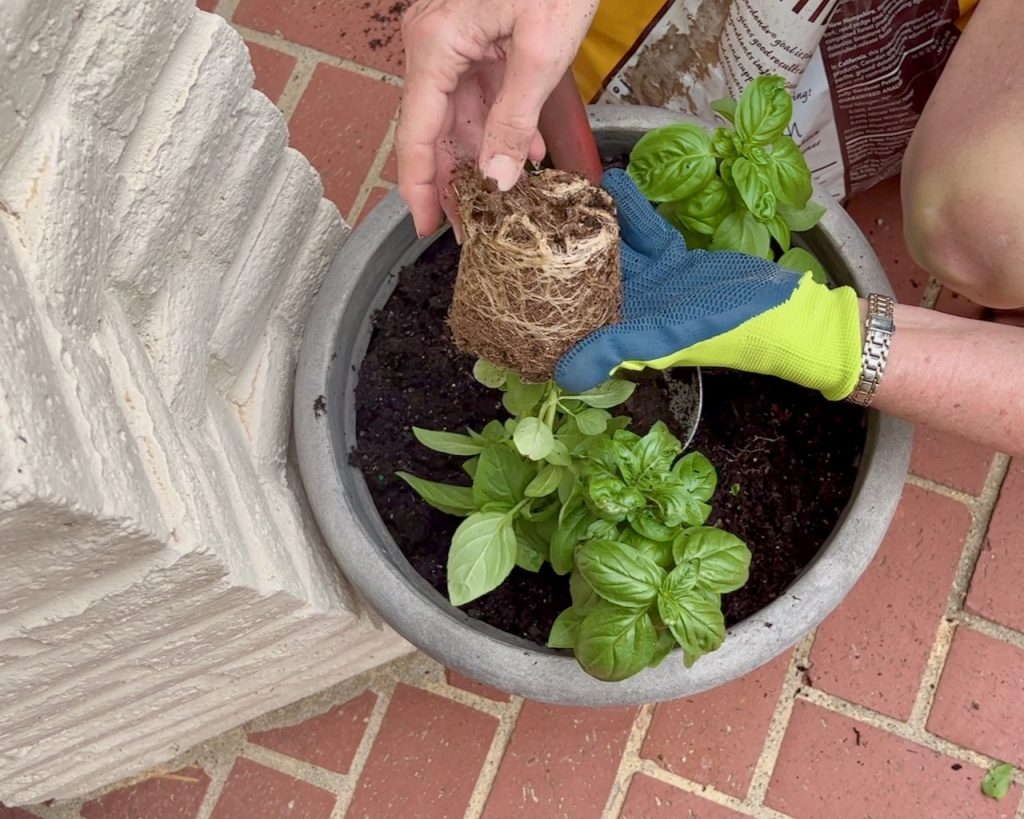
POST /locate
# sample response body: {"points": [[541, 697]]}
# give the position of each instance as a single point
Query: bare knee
{"points": [[964, 222]]}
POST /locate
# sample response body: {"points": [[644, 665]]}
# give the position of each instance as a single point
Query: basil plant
{"points": [[742, 187], [621, 515]]}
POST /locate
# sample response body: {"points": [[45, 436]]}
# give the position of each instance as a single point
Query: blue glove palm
{"points": [[696, 307]]}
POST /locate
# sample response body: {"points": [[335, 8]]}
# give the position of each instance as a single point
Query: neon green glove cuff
{"points": [[812, 339]]}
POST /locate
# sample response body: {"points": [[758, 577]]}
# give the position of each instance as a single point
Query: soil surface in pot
{"points": [[786, 458]]}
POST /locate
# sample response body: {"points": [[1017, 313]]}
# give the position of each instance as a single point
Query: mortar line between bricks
{"points": [[941, 489], [384, 689], [1019, 813], [218, 778], [298, 82], [992, 629], [307, 772], [227, 8], [298, 51], [897, 728], [981, 514], [931, 294], [373, 178], [492, 761], [764, 768], [629, 761], [708, 792]]}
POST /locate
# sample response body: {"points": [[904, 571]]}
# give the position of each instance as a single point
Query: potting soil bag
{"points": [[860, 71]]}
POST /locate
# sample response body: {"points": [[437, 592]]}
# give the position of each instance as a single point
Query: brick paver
{"points": [[339, 125], [467, 684], [254, 791], [650, 799], [833, 766], [425, 758], [715, 738], [364, 31], [996, 586], [559, 762], [980, 700], [874, 648], [329, 740], [175, 795], [949, 460], [19, 813], [273, 68]]}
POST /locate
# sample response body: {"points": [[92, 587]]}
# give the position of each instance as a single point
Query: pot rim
{"points": [[372, 562]]}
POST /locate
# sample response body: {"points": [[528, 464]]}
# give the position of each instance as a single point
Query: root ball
{"points": [[539, 269]]}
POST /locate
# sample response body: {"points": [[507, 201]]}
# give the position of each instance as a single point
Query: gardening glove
{"points": [[715, 309]]}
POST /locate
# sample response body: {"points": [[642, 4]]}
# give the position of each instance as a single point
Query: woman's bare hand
{"points": [[477, 75]]}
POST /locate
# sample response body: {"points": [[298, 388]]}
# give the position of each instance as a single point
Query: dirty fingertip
{"points": [[504, 170]]}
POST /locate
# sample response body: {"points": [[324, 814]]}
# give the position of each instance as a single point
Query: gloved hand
{"points": [[721, 309]]}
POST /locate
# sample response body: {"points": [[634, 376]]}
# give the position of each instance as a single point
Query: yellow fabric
{"points": [[617, 25], [812, 339]]}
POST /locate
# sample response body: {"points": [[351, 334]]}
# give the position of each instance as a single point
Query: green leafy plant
{"points": [[745, 186], [997, 781], [565, 481]]}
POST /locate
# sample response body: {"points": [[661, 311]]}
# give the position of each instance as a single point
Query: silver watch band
{"points": [[878, 331]]}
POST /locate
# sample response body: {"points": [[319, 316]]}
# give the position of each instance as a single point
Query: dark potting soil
{"points": [[786, 458]]}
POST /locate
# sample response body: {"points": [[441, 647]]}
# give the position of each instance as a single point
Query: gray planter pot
{"points": [[360, 281]]}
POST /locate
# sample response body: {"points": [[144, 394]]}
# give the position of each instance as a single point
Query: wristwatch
{"points": [[878, 330]]}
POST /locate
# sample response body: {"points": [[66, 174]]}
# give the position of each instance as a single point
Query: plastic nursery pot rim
{"points": [[360, 280]]}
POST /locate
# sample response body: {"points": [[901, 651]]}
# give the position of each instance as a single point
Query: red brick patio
{"points": [[895, 707]]}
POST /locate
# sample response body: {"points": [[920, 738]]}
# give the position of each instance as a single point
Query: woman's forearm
{"points": [[960, 376]]}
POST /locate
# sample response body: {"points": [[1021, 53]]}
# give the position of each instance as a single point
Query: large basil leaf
{"points": [[679, 506], [648, 525], [611, 393], [666, 642], [453, 500], [803, 218], [450, 443], [791, 177], [531, 548], [565, 629], [655, 452], [721, 558], [615, 643], [482, 554], [704, 211], [800, 261], [546, 482], [673, 594], [501, 476], [533, 438], [584, 598], [697, 475], [593, 421], [619, 573], [672, 162], [764, 110], [658, 551], [520, 398], [700, 627], [725, 108], [754, 189], [779, 230], [741, 231], [488, 374], [563, 542]]}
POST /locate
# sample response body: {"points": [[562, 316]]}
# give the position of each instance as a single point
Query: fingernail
{"points": [[504, 170], [458, 234]]}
